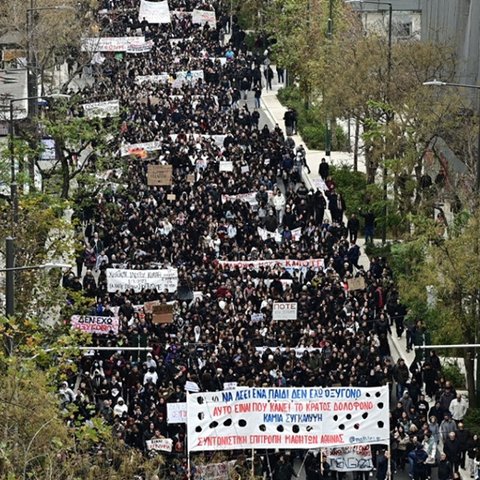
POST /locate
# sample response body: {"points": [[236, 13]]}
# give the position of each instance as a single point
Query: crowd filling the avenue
{"points": [[243, 232]]}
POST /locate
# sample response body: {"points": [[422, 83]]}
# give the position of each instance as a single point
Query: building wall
{"points": [[456, 22]]}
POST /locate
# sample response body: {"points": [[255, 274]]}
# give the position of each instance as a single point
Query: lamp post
{"points": [[10, 271], [32, 84], [10, 241], [388, 114]]}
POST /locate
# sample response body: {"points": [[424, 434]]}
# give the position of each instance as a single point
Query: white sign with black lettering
{"points": [[284, 311]]}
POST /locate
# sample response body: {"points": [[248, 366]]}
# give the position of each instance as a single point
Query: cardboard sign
{"points": [[171, 197], [191, 178], [356, 283], [159, 175], [162, 313], [148, 306], [284, 311]]}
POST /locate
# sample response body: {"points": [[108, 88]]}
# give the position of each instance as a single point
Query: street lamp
{"points": [[388, 114], [10, 274], [32, 85], [438, 83]]}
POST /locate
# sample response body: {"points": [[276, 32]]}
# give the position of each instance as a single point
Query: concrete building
{"points": [[406, 17], [456, 22]]}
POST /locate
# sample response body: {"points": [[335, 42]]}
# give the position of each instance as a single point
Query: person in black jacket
{"points": [[452, 448], [353, 225], [445, 470], [283, 470]]}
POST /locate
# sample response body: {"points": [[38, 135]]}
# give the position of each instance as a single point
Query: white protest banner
{"points": [[124, 279], [110, 44], [299, 351], [204, 16], [140, 48], [264, 234], [214, 471], [189, 75], [154, 12], [250, 198], [191, 386], [160, 444], [92, 324], [132, 148], [289, 418], [101, 109], [347, 459], [230, 385], [160, 78], [284, 311], [177, 412], [226, 167], [280, 263]]}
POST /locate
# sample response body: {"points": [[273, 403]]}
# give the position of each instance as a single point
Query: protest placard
{"points": [[191, 178], [215, 471], [122, 279], [244, 169], [349, 459], [226, 167], [160, 78], [148, 306], [159, 175], [171, 197], [93, 324], [284, 311], [357, 283], [288, 418], [131, 148], [162, 313], [204, 16], [160, 444], [230, 385], [154, 12], [101, 109], [177, 412]]}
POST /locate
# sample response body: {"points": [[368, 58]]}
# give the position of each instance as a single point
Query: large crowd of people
{"points": [[217, 226]]}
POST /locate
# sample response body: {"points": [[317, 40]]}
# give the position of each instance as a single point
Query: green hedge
{"points": [[311, 121]]}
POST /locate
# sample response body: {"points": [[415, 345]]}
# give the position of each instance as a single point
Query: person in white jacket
{"points": [[120, 408], [278, 202], [458, 408]]}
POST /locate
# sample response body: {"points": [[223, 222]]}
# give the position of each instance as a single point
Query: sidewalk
{"points": [[275, 111]]}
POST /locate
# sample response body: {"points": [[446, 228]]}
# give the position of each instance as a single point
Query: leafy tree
{"points": [[448, 267]]}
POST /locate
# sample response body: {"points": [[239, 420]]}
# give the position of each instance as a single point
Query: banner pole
{"points": [[321, 462], [188, 444], [389, 463], [253, 463]]}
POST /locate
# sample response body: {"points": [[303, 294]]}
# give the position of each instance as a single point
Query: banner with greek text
{"points": [[300, 418], [280, 263], [140, 48], [250, 198], [161, 78], [160, 444], [154, 12], [101, 109], [92, 324], [348, 459], [110, 44], [124, 279]]}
